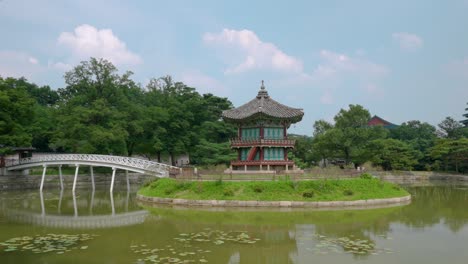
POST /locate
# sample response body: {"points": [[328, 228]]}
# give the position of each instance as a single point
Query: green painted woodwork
{"points": [[273, 133], [251, 133], [273, 153]]}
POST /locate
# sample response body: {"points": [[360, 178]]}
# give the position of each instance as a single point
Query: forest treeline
{"points": [[103, 112]]}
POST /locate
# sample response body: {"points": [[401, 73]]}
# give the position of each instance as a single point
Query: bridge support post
{"points": [[92, 176], [43, 177], [112, 181], [128, 181], [76, 176], [61, 177]]}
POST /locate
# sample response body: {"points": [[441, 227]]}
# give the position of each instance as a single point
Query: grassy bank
{"points": [[282, 190]]}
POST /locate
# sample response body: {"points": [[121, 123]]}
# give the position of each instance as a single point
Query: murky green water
{"points": [[99, 228]]}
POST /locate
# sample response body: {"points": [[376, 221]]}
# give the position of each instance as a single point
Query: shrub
{"points": [[257, 188], [169, 191], [218, 182], [348, 192], [366, 176], [308, 194], [199, 187], [228, 192], [183, 185]]}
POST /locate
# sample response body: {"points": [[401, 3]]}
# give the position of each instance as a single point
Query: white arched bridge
{"points": [[115, 162]]}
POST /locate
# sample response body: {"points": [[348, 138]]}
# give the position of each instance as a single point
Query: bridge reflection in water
{"points": [[87, 220]]}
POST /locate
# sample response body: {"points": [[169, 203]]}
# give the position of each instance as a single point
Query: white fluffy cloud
{"points": [[336, 70], [408, 41], [334, 65], [250, 52], [87, 41]]}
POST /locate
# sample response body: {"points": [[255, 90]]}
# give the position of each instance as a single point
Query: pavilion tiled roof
{"points": [[263, 104]]}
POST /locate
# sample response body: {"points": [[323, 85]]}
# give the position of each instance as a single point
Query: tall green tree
{"points": [[420, 136], [349, 138], [16, 114], [393, 154], [451, 154], [94, 112], [465, 121], [450, 128]]}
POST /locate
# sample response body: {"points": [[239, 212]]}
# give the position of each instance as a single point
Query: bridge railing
{"points": [[106, 159]]}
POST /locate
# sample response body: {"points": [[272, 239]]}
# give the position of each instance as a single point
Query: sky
{"points": [[401, 60]]}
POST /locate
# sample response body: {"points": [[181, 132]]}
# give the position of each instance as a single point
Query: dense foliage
{"points": [[411, 145], [103, 111]]}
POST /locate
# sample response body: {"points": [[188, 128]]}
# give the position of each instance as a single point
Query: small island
{"points": [[361, 191]]}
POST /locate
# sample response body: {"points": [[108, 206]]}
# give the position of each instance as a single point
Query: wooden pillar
{"points": [[262, 132], [285, 154], [261, 153], [285, 131], [239, 154], [239, 132]]}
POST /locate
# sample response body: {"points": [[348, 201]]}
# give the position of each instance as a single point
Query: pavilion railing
{"points": [[262, 142], [262, 162]]}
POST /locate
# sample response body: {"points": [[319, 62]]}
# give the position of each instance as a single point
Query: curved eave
{"points": [[261, 115]]}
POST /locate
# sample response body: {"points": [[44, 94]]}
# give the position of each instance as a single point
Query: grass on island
{"points": [[361, 188]]}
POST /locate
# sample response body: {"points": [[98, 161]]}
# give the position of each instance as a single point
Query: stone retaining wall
{"points": [[20, 182], [280, 204]]}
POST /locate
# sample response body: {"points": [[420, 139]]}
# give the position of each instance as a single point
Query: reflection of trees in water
{"points": [[436, 204]]}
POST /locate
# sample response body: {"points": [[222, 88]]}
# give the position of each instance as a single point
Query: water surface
{"points": [[96, 227]]}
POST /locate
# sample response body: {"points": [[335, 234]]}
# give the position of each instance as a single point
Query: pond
{"points": [[96, 227]]}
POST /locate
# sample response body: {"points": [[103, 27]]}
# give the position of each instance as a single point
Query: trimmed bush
{"points": [[366, 176], [308, 194], [257, 188], [228, 192]]}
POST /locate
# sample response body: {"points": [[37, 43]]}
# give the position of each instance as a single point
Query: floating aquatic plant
{"points": [[356, 246], [59, 243], [187, 248]]}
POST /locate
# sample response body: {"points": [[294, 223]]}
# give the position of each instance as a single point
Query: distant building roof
{"points": [[264, 105], [378, 121]]}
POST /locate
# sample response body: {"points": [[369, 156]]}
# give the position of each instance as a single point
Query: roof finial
{"points": [[263, 86]]}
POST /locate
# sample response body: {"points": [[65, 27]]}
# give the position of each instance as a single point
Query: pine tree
{"points": [[465, 122]]}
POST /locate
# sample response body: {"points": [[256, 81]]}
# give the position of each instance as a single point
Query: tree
{"points": [[420, 136], [302, 151], [349, 138], [453, 153], [16, 114], [321, 126], [465, 122], [94, 112], [393, 154], [449, 128]]}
